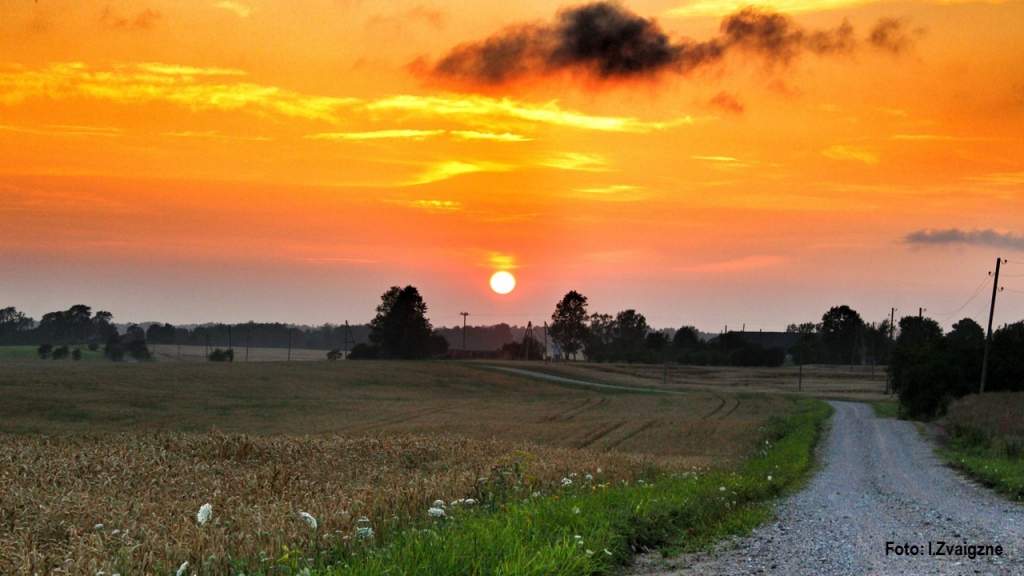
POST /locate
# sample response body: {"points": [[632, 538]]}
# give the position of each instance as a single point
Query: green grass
{"points": [[593, 528], [886, 408], [993, 462]]}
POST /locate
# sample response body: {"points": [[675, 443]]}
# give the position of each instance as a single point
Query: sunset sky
{"points": [[205, 160]]}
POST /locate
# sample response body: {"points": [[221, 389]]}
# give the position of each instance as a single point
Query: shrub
{"points": [[335, 355], [44, 350], [60, 353], [219, 355], [363, 352], [76, 354]]}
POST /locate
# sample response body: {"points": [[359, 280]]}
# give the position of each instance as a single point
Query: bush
{"points": [[44, 350], [363, 352], [94, 345], [60, 353], [76, 354], [219, 355], [335, 354], [113, 349], [138, 350]]}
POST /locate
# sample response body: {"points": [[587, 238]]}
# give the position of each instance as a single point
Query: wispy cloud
{"points": [[237, 8], [452, 168], [984, 237], [490, 136], [193, 87], [850, 153], [612, 193], [214, 135], [576, 161], [1000, 178], [416, 135], [434, 205], [62, 130], [484, 109]]}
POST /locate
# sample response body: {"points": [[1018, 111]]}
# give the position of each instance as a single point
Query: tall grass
{"points": [[592, 527], [987, 440]]}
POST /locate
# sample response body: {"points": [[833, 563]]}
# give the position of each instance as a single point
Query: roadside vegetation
{"points": [[986, 440]]}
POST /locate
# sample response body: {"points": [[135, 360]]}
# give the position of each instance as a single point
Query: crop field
{"points": [[103, 466], [861, 383], [168, 352]]}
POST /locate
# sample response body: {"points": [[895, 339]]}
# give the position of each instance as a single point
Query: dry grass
{"points": [[139, 447], [994, 415]]}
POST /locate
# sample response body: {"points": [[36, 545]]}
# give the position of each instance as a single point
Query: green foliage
{"points": [[60, 353], [996, 462], [841, 329], [44, 350], [592, 527]]}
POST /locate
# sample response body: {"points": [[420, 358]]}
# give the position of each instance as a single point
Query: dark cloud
{"points": [[986, 237], [142, 20], [606, 40], [727, 102], [892, 35]]}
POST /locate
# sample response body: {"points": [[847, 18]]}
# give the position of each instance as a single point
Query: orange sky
{"points": [[255, 159]]}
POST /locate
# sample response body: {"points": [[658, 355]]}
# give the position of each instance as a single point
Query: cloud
{"points": [[612, 193], [726, 102], [850, 153], [490, 136], [452, 168], [607, 41], [437, 205], [986, 237], [142, 20], [63, 130], [476, 108], [237, 8], [193, 87], [576, 161], [892, 35], [416, 135]]}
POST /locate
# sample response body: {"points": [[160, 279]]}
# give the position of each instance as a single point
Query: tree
{"points": [[598, 345], [568, 323], [401, 328], [841, 332], [686, 338], [630, 331], [12, 323]]}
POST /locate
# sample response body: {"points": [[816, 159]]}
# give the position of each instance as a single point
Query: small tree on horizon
{"points": [[568, 323], [401, 328]]}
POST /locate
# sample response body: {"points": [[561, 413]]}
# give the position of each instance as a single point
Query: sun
{"points": [[503, 282]]}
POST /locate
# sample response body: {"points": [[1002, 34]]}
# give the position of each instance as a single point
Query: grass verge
{"points": [[988, 463], [886, 408], [591, 527], [986, 440]]}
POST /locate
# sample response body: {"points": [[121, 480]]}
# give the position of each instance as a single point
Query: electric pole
{"points": [[988, 336], [892, 330], [464, 316], [289, 343], [229, 336], [545, 341], [248, 338]]}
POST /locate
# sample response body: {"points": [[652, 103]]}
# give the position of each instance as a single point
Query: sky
{"points": [[699, 161]]}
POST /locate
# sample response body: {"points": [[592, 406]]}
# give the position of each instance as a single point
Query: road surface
{"points": [[879, 482]]}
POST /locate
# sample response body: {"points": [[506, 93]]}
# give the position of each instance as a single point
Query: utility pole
{"points": [[545, 340], [248, 339], [464, 315], [348, 338], [988, 336], [229, 336], [920, 313], [289, 343]]}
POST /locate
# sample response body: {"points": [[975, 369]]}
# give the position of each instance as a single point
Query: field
{"points": [[167, 352], [139, 447]]}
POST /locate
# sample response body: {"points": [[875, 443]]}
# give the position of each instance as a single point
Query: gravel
{"points": [[880, 481]]}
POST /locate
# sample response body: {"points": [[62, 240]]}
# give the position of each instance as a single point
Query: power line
{"points": [[974, 295]]}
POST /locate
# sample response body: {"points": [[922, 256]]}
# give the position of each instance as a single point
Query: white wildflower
{"points": [[98, 527], [308, 519], [436, 512], [589, 552], [589, 477], [364, 532], [575, 509], [566, 481], [204, 514], [607, 552], [182, 569], [769, 477], [438, 504], [470, 502], [721, 488], [579, 540], [599, 470]]}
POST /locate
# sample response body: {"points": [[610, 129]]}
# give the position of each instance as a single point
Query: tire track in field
{"points": [[638, 430], [736, 404], [596, 435], [364, 427]]}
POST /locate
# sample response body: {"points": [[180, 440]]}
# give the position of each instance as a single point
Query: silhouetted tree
{"points": [[568, 323], [12, 324], [841, 330], [598, 344], [686, 338], [401, 328], [630, 331], [44, 350]]}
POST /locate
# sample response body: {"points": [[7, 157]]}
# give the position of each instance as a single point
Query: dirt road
{"points": [[880, 482]]}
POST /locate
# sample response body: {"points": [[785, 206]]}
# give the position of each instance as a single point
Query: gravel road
{"points": [[879, 482]]}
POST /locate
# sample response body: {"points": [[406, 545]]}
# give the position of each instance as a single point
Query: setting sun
{"points": [[503, 282]]}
